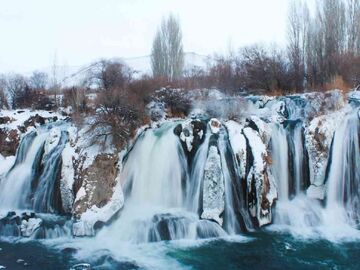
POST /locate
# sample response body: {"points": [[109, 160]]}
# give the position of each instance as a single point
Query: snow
{"points": [[89, 150], [52, 140], [80, 194], [18, 117], [6, 163], [258, 148], [238, 144]]}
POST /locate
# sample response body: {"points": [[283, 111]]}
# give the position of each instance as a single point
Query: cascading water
{"points": [[235, 205], [16, 186], [193, 189], [280, 160], [44, 199], [343, 183], [29, 192], [157, 207]]}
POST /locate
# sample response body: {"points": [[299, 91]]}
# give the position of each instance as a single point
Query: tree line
{"points": [[323, 52]]}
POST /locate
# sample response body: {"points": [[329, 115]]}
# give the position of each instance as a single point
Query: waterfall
{"points": [[30, 183], [193, 189], [236, 216], [343, 183], [298, 181], [157, 206], [45, 200], [16, 186], [280, 160]]}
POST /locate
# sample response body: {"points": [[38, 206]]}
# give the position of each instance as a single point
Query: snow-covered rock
{"points": [[67, 177], [215, 125], [98, 201], [214, 189], [318, 137], [187, 135], [238, 145], [28, 227], [261, 185]]}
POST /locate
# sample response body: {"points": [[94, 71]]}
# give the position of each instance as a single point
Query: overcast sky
{"points": [[80, 31]]}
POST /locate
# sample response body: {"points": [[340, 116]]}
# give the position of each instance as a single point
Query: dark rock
{"points": [[69, 250], [5, 120], [11, 214], [9, 142], [178, 130]]}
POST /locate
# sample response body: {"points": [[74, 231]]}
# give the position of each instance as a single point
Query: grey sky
{"points": [[80, 31]]}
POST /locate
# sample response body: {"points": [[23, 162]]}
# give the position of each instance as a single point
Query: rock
{"points": [[260, 183], [5, 120], [318, 137], [214, 189], [34, 121], [191, 134], [215, 125], [97, 201], [99, 182], [238, 145], [28, 227], [9, 142]]}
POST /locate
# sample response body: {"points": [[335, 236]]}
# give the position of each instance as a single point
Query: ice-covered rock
{"points": [[214, 189], [318, 137], [238, 145], [261, 185], [28, 227], [67, 177], [191, 134], [187, 135]]}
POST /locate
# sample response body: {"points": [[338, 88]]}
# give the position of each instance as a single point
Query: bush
{"points": [[76, 98], [119, 113], [176, 101]]}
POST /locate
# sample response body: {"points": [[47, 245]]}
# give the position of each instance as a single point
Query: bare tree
{"points": [[18, 89], [353, 26], [3, 99], [167, 56], [109, 74], [38, 80], [333, 26], [298, 19]]}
